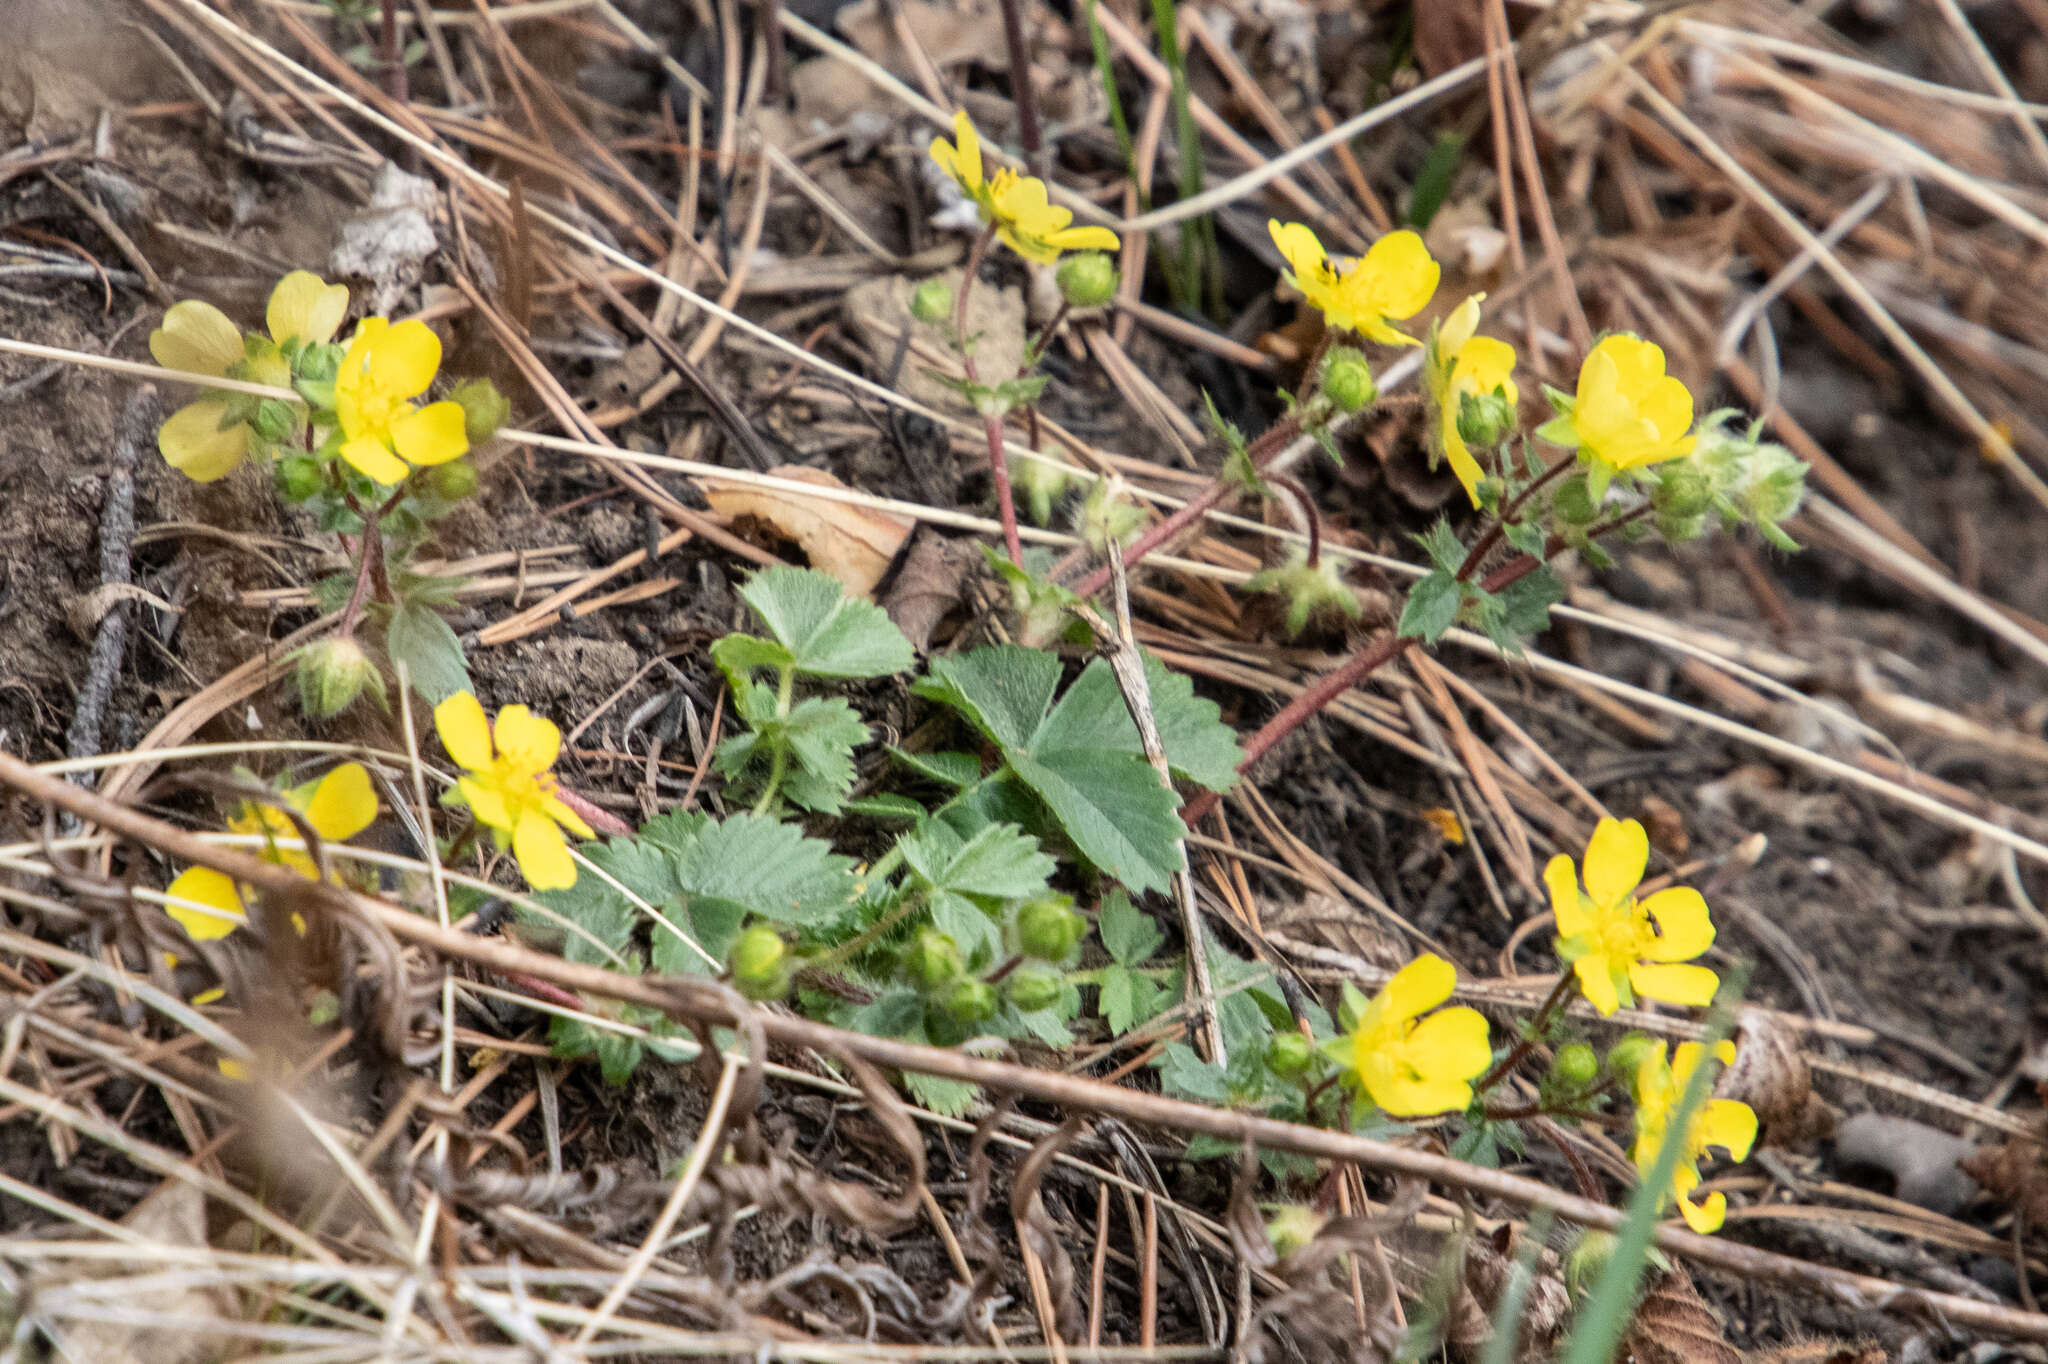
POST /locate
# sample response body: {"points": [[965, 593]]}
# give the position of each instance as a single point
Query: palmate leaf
{"points": [[1001, 862], [827, 633]]}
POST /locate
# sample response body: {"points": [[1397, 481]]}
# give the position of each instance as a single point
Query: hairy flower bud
{"points": [[452, 481], [1571, 1074], [298, 478], [275, 421], [1288, 1054], [1292, 1227], [971, 1002], [1484, 418], [484, 409], [1627, 1055], [1087, 279], [332, 673], [1348, 381], [1049, 929], [933, 959], [1041, 483], [1034, 987], [1573, 502], [932, 301], [760, 964]]}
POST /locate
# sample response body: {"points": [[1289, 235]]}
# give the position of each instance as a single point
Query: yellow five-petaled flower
{"points": [[508, 786], [1619, 946], [1726, 1123], [1629, 413], [340, 805], [1392, 282], [199, 441], [1409, 1065], [1456, 362], [385, 368], [1015, 205]]}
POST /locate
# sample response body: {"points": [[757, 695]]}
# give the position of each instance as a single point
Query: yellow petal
{"points": [[406, 357], [486, 802], [1707, 1215], [464, 731], [196, 337], [1451, 1044], [1086, 239], [1684, 929], [1418, 1096], [307, 307], [1599, 377], [1418, 987], [542, 855], [343, 804], [1373, 327], [1402, 275], [1562, 879], [1728, 1124], [530, 742], [566, 817], [1690, 985], [193, 443], [374, 461], [213, 909], [966, 166], [1460, 456], [1459, 326], [433, 435], [1615, 860], [1484, 363], [1638, 363], [1667, 406], [1596, 980], [206, 997], [1298, 246]]}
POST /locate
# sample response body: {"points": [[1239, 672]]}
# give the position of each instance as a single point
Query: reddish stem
{"points": [[1484, 545], [991, 426]]}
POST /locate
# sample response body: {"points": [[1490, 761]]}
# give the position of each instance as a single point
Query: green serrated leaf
{"points": [[888, 806], [1432, 607], [1528, 537], [1127, 999], [418, 638], [827, 633], [822, 733], [1199, 746], [968, 925], [1001, 862], [1526, 602], [1185, 1075], [1114, 808], [1441, 544], [947, 1098], [768, 866], [737, 656], [957, 770], [1003, 690], [1129, 934]]}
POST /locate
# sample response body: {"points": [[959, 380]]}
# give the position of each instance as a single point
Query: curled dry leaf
{"points": [[1772, 1076], [854, 544], [1674, 1325], [2017, 1172], [1926, 1162], [1546, 1306], [934, 573]]}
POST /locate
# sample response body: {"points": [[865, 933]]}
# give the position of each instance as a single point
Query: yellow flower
{"points": [[1454, 363], [1395, 279], [339, 805], [1660, 1085], [384, 369], [1621, 947], [1413, 1066], [508, 786], [200, 440], [1629, 413], [1016, 205]]}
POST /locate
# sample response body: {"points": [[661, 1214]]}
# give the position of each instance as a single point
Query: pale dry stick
{"points": [[1252, 97], [1747, 312], [689, 998], [1994, 76], [708, 1141], [1532, 178], [1988, 437], [1711, 34], [1137, 245]]}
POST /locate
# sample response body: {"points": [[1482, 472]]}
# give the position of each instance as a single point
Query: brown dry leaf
{"points": [[173, 1216], [935, 573], [1546, 1307], [854, 544], [1772, 1076], [2018, 1173], [1674, 1325], [1666, 827], [949, 34], [1822, 1351]]}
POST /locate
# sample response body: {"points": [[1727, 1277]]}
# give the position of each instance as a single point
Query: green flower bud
{"points": [[1292, 1227], [1087, 279], [1313, 595], [318, 363], [1041, 482], [760, 964], [1483, 418], [1572, 1073], [1573, 502], [1288, 1054], [1683, 490], [1348, 381], [332, 673], [484, 409], [1049, 929], [1777, 483], [1627, 1055], [275, 421], [452, 481], [932, 301], [298, 478], [933, 959], [1035, 987], [971, 1002], [1107, 517]]}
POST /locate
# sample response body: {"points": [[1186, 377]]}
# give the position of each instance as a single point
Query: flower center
{"points": [[1622, 931]]}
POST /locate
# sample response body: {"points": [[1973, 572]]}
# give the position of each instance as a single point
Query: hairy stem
{"points": [[1485, 543], [991, 424]]}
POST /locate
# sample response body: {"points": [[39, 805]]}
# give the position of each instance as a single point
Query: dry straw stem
{"points": [[698, 1000]]}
